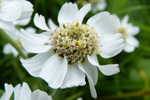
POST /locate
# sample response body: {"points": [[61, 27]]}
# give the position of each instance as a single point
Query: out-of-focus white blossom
{"points": [[12, 11], [9, 49], [23, 93], [128, 32]]}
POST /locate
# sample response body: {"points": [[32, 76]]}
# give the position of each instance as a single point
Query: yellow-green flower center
{"points": [[123, 31], [74, 41]]}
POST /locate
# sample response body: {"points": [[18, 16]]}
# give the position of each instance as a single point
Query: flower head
{"points": [[23, 93], [128, 32], [68, 52]]}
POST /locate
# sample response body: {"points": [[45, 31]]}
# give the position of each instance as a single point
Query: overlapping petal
{"points": [[67, 13], [35, 64], [40, 95], [92, 76], [24, 93], [82, 12], [8, 92], [15, 10], [39, 22], [35, 43], [110, 69], [111, 45], [74, 77], [54, 71], [103, 23], [52, 25], [7, 25]]}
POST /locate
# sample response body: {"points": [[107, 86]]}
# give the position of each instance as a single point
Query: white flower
{"points": [[70, 50], [128, 32], [24, 93], [98, 5], [14, 10], [8, 48]]}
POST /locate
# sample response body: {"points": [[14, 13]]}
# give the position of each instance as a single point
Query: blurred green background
{"points": [[133, 81]]}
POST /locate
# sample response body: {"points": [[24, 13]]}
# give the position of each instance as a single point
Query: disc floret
{"points": [[74, 41]]}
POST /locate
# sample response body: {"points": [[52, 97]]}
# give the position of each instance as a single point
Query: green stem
{"points": [[13, 43]]}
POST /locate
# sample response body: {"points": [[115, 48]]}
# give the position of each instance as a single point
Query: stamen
{"points": [[74, 41]]}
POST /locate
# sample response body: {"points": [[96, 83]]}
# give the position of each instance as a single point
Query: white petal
{"points": [[67, 13], [132, 30], [54, 71], [82, 12], [47, 33], [7, 25], [35, 43], [92, 75], [52, 25], [8, 49], [109, 69], [17, 90], [40, 95], [30, 30], [10, 10], [118, 19], [8, 92], [74, 77], [39, 22], [93, 60], [132, 41], [103, 23], [125, 20], [27, 9], [129, 48], [22, 22], [111, 45], [35, 64], [25, 92]]}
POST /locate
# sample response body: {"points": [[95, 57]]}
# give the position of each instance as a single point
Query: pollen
{"points": [[74, 41], [123, 31]]}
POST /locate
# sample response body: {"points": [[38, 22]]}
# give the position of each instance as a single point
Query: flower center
{"points": [[123, 31], [74, 41]]}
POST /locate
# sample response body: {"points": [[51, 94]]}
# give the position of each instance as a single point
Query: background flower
{"points": [[128, 32], [23, 93]]}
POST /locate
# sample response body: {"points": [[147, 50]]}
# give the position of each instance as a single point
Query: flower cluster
{"points": [[65, 54]]}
